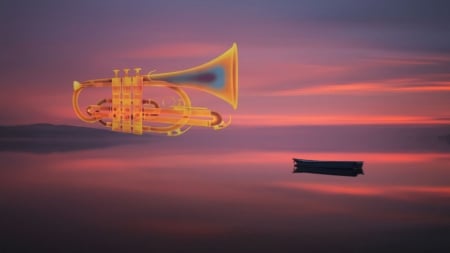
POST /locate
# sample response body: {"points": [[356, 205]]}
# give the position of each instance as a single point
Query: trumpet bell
{"points": [[218, 77]]}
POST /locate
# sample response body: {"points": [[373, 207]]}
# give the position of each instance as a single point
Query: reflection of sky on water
{"points": [[138, 197]]}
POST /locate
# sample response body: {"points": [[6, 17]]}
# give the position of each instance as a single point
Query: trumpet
{"points": [[128, 111]]}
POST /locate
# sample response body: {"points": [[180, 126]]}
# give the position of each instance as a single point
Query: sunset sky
{"points": [[300, 62], [351, 80]]}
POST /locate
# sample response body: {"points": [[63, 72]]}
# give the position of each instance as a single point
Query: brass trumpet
{"points": [[127, 111]]}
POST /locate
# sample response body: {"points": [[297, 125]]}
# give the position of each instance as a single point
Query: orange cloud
{"points": [[292, 119], [398, 85]]}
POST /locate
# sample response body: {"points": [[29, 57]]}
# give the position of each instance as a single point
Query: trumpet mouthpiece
{"points": [[76, 85]]}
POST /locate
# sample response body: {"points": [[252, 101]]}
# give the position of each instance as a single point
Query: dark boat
{"points": [[339, 168]]}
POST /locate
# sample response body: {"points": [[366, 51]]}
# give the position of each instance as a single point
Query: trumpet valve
{"points": [[137, 71]]}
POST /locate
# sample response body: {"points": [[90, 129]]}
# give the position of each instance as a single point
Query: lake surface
{"points": [[232, 191]]}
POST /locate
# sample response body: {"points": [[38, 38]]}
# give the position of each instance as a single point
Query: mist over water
{"points": [[230, 191]]}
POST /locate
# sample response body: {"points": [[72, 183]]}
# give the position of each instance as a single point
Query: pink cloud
{"points": [[254, 75], [409, 59], [331, 119], [178, 50], [396, 85]]}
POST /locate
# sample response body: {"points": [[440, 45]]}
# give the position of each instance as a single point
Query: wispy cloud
{"points": [[405, 60], [395, 85], [334, 119]]}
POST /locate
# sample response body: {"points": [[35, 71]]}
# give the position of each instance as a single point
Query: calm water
{"points": [[200, 194]]}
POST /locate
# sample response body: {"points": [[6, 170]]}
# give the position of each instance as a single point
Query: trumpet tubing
{"points": [[128, 111]]}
